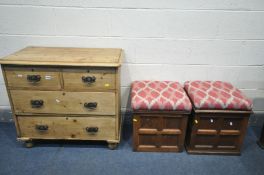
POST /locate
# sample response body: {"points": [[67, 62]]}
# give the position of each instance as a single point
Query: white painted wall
{"points": [[163, 40]]}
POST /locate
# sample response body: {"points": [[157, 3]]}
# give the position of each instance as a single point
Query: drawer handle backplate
{"points": [[36, 103], [90, 105], [42, 127], [92, 130], [33, 78], [88, 79]]}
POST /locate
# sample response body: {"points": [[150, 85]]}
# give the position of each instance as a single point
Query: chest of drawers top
{"points": [[55, 56]]}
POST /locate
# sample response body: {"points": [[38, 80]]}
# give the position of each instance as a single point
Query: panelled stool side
{"points": [[219, 119], [160, 114]]}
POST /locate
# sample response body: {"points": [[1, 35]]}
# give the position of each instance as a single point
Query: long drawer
{"points": [[89, 79], [86, 128], [33, 78], [95, 103]]}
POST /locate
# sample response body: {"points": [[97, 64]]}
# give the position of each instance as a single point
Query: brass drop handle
{"points": [[231, 123], [33, 78], [212, 120], [36, 103], [88, 79], [90, 105], [42, 127], [92, 130]]}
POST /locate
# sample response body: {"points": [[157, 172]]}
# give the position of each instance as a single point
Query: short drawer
{"points": [[85, 128], [232, 123], [33, 78], [99, 103], [206, 125], [90, 78], [207, 122]]}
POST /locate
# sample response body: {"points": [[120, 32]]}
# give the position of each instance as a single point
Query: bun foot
{"points": [[29, 144], [112, 146]]}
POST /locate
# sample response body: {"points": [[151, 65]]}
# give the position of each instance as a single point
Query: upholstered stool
{"points": [[219, 119], [160, 113]]}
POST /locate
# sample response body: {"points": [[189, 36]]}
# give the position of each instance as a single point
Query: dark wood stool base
{"points": [[261, 145], [161, 131], [216, 132], [261, 140]]}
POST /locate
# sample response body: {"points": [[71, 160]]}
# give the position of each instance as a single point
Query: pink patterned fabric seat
{"points": [[159, 95], [216, 95]]}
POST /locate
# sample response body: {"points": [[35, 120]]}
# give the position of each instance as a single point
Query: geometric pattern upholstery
{"points": [[159, 95], [216, 95]]}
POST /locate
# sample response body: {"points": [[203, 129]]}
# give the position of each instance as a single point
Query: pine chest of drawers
{"points": [[65, 93]]}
